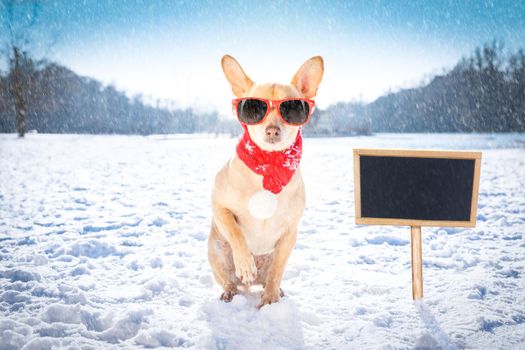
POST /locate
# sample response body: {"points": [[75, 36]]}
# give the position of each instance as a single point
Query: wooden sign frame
{"points": [[476, 156], [415, 224]]}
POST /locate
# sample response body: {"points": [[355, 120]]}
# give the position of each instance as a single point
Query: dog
{"points": [[259, 197]]}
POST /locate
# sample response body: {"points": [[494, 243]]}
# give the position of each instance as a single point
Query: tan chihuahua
{"points": [[250, 242]]}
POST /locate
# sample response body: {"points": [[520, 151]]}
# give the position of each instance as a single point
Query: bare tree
{"points": [[20, 18]]}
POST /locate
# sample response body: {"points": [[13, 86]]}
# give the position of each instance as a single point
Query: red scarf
{"points": [[276, 167]]}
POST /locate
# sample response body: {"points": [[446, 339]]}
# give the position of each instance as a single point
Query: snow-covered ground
{"points": [[103, 245]]}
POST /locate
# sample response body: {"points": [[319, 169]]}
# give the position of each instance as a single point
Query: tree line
{"points": [[56, 100], [482, 93]]}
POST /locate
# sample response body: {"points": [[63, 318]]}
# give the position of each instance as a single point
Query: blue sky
{"points": [[172, 49]]}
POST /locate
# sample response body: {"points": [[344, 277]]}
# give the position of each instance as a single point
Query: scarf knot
{"points": [[276, 167]]}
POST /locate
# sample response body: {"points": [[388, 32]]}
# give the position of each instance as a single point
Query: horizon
{"points": [[369, 49]]}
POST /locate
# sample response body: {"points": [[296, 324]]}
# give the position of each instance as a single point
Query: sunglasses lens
{"points": [[251, 111], [295, 111]]}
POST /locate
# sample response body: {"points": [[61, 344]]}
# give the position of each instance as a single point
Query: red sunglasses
{"points": [[253, 110]]}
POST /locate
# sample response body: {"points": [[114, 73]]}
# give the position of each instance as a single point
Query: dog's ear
{"points": [[308, 77], [238, 80]]}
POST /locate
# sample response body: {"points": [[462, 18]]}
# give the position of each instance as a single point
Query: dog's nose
{"points": [[272, 131], [272, 134]]}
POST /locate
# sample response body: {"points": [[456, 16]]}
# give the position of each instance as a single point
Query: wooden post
{"points": [[417, 263]]}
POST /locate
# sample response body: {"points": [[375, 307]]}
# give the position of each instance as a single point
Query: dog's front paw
{"points": [[270, 297], [245, 268]]}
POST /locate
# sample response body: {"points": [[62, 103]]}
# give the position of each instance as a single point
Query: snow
{"points": [[103, 245]]}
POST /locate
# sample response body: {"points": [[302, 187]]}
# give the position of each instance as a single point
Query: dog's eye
{"points": [[295, 111], [251, 111]]}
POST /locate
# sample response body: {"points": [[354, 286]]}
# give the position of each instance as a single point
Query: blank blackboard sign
{"points": [[416, 188]]}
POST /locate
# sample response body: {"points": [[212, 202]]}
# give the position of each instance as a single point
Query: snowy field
{"points": [[103, 245]]}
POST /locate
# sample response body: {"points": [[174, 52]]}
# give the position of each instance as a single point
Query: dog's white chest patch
{"points": [[261, 238]]}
